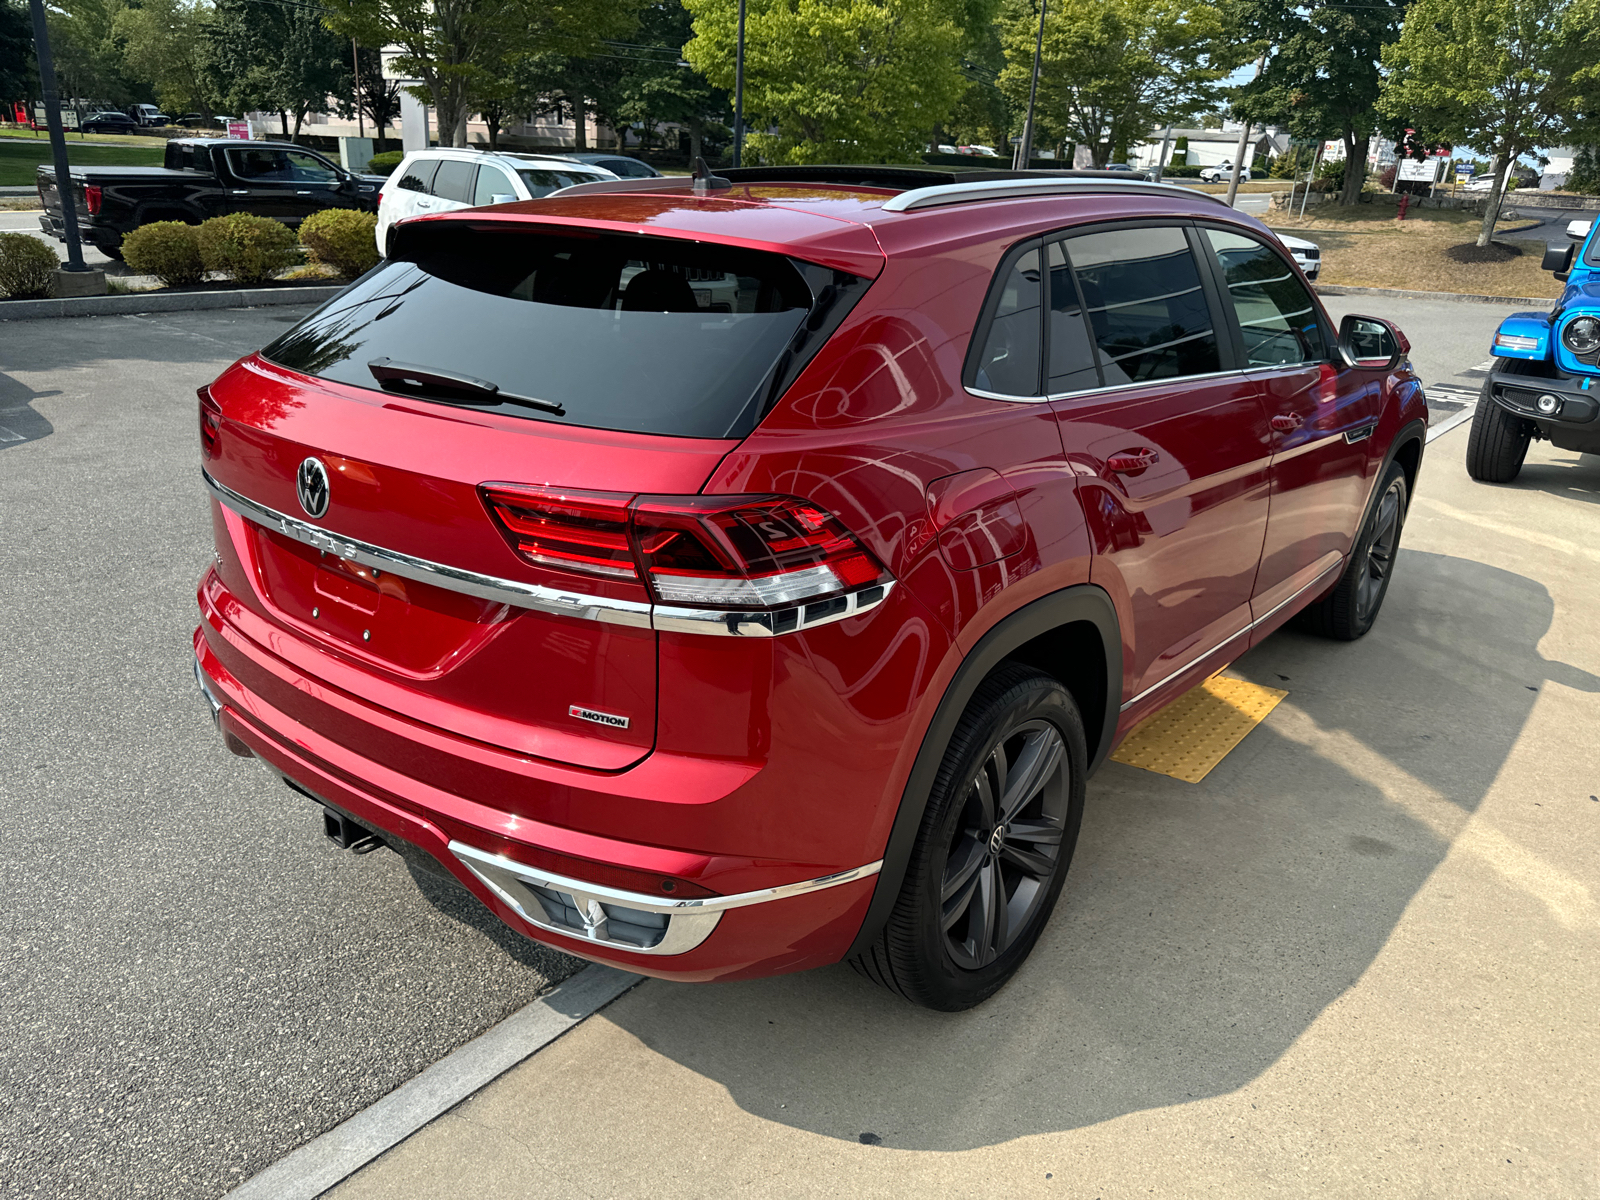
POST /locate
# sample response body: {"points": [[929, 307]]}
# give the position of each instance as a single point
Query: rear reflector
{"points": [[726, 552]]}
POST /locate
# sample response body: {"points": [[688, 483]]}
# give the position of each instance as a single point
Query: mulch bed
{"points": [[1494, 252]]}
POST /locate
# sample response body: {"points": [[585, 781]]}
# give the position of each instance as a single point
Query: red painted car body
{"points": [[1129, 539]]}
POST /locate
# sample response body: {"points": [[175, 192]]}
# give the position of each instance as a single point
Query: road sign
{"points": [[239, 129], [1425, 171]]}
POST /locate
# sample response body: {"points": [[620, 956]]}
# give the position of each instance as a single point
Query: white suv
{"points": [[431, 181], [1223, 172]]}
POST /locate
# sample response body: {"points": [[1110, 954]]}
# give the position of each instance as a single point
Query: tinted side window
{"points": [[1146, 305], [492, 182], [1071, 352], [1276, 313], [1008, 361], [419, 175], [454, 180]]}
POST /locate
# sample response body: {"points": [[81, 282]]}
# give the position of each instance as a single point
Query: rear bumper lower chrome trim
{"points": [[553, 600], [617, 919]]}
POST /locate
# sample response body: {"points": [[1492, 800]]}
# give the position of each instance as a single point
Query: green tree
{"points": [[653, 87], [88, 56], [1498, 75], [450, 44], [169, 43], [1322, 77], [278, 58], [19, 76], [835, 80], [1111, 70]]}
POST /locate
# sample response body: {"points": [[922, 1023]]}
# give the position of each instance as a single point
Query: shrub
{"points": [[247, 248], [343, 239], [385, 163], [169, 250], [27, 267]]}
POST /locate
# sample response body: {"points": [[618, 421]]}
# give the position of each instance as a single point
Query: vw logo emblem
{"points": [[311, 483]]}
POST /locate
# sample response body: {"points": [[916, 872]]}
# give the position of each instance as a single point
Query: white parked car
{"points": [[440, 180], [1308, 255], [1478, 183], [1222, 173]]}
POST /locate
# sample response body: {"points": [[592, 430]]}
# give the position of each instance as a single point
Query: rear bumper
{"points": [[804, 921], [93, 234]]}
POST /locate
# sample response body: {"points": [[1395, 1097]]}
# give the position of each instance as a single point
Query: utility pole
{"points": [[738, 93], [1024, 154], [58, 150], [1244, 139], [1161, 159], [355, 66]]}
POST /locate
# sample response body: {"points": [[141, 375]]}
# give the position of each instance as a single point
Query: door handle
{"points": [[1131, 462], [1288, 424]]}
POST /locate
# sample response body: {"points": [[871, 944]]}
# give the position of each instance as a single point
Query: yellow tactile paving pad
{"points": [[1195, 732]]}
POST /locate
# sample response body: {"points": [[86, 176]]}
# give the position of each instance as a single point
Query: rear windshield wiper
{"points": [[459, 389]]}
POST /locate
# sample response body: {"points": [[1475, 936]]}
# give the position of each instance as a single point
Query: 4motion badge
{"points": [[599, 718]]}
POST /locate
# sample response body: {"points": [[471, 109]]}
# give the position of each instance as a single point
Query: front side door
{"points": [[1169, 441], [287, 185], [1322, 415]]}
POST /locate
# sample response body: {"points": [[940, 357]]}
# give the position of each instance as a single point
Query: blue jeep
{"points": [[1546, 377]]}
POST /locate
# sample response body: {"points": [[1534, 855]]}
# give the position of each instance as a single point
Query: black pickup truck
{"points": [[203, 177]]}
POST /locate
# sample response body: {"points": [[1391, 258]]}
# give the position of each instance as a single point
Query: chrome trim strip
{"points": [[1017, 189], [689, 921], [1131, 385], [638, 614], [486, 587], [1264, 617], [212, 703]]}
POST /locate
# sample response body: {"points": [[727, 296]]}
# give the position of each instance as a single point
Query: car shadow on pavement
{"points": [[1203, 928], [19, 424], [1564, 473]]}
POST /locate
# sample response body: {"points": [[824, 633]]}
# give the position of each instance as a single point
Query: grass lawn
{"points": [[1365, 246], [18, 159]]}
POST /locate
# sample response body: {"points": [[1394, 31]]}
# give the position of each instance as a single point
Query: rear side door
{"points": [[1322, 416], [452, 186], [1169, 441]]}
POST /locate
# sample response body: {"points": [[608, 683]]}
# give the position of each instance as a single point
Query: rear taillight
{"points": [[91, 198], [210, 423], [726, 552]]}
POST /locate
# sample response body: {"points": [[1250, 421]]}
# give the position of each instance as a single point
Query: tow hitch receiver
{"points": [[346, 834]]}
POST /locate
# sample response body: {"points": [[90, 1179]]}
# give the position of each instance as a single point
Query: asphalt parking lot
{"points": [[195, 980], [1364, 940]]}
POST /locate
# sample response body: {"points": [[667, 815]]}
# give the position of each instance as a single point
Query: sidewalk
{"points": [[1362, 958]]}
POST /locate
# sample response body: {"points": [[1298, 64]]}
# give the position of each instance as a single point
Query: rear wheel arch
{"points": [[1072, 635]]}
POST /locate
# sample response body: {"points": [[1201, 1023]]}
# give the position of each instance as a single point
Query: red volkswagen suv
{"points": [[729, 577]]}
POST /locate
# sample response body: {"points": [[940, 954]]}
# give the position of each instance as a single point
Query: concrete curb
{"points": [[322, 1162], [1335, 289], [159, 302]]}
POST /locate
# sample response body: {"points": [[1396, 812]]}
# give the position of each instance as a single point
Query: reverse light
{"points": [[92, 195], [739, 553], [210, 423]]}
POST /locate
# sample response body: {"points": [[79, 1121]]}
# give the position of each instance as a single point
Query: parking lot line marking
{"points": [[10, 435], [346, 1148], [1450, 422], [1195, 732]]}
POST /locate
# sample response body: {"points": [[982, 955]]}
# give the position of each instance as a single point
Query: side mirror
{"points": [[502, 198], [1578, 230], [1557, 257], [1371, 343]]}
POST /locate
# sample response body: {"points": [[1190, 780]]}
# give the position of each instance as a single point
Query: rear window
{"points": [[542, 181], [650, 335]]}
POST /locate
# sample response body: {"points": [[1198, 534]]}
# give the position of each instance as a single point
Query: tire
{"points": [[1349, 610], [1498, 444], [112, 252], [977, 893]]}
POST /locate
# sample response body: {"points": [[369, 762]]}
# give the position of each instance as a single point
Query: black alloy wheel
{"points": [[1006, 845], [1350, 609], [993, 848]]}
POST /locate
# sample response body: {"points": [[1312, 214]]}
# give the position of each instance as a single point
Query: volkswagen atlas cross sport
{"points": [[717, 639]]}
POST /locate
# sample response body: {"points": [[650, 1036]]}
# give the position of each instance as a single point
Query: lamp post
{"points": [[58, 139], [355, 67], [1024, 153], [738, 93]]}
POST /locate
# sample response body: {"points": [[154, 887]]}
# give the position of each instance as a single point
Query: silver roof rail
{"points": [[1015, 189], [660, 183]]}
